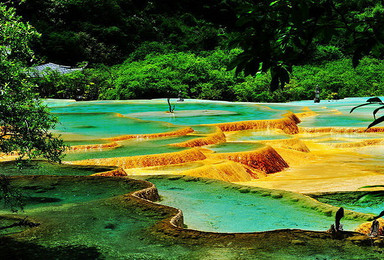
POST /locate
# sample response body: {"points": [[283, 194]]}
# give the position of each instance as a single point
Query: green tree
{"points": [[277, 34], [25, 123]]}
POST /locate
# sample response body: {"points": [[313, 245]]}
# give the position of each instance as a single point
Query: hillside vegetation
{"points": [[152, 49]]}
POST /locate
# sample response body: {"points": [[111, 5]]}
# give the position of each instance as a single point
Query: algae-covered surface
{"points": [[83, 217], [46, 168], [105, 224], [362, 201]]}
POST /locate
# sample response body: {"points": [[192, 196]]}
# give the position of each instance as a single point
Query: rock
{"points": [[360, 240], [298, 242]]}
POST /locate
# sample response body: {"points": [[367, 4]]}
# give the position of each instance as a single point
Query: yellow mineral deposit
{"points": [[264, 159], [341, 130], [364, 143], [324, 169], [292, 144], [87, 147], [224, 170], [365, 228], [306, 114], [213, 138]]}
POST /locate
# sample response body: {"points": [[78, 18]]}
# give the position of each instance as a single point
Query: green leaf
{"points": [[374, 100], [377, 110], [360, 106], [273, 3], [377, 121]]}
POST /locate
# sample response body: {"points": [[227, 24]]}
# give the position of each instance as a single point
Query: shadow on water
{"points": [[14, 249]]}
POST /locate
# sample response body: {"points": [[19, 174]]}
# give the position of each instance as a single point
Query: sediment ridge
{"points": [[291, 144], [87, 147], [213, 138], [150, 193], [119, 172], [264, 159], [364, 143], [341, 130], [224, 170], [288, 124], [180, 132], [147, 160]]}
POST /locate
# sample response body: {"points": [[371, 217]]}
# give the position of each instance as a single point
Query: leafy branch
{"points": [[372, 101]]}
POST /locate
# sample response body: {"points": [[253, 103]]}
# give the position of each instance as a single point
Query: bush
{"points": [[164, 73]]}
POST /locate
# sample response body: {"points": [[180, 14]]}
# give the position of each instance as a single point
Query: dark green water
{"points": [[87, 218], [46, 168]]}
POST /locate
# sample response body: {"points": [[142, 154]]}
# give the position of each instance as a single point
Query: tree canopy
{"points": [[25, 123], [277, 34]]}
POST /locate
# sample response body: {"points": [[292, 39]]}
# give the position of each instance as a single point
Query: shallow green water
{"points": [[259, 135], [98, 119], [231, 147], [102, 125], [221, 207], [132, 148], [242, 111]]}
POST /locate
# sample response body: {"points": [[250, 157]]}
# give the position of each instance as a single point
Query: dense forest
{"points": [[227, 50]]}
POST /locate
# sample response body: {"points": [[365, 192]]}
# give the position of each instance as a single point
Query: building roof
{"points": [[41, 70]]}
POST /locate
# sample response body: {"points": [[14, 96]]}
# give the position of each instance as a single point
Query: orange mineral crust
{"points": [[264, 159], [365, 228], [93, 146], [223, 170]]}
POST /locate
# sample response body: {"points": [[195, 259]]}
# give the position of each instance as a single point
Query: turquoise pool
{"points": [[221, 207]]}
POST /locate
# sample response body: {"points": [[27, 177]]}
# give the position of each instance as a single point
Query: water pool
{"points": [[259, 135], [132, 148], [98, 119], [231, 147], [220, 207], [103, 125]]}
